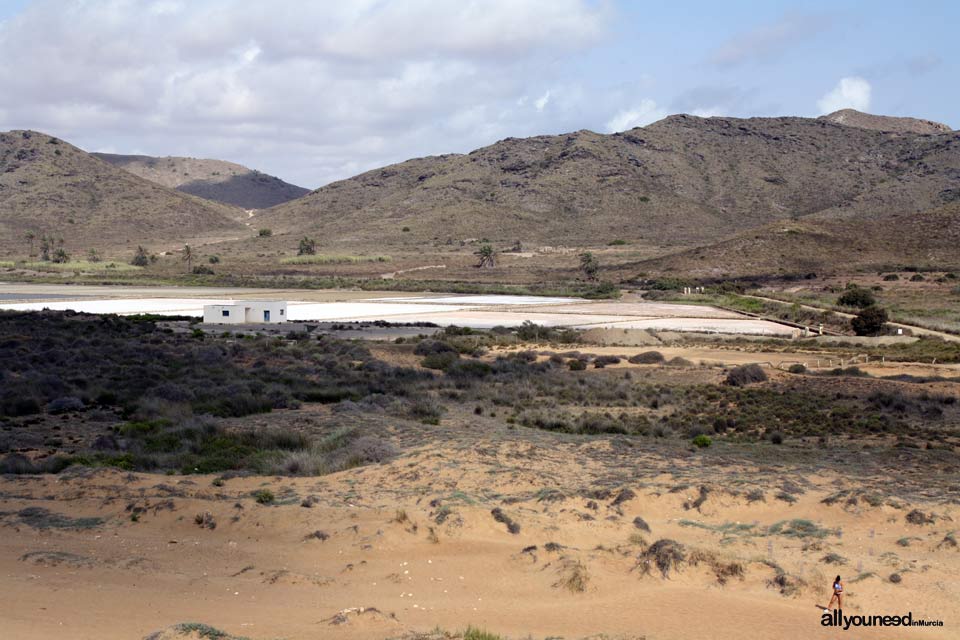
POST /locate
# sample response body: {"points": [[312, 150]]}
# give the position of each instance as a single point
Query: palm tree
{"points": [[46, 245], [188, 256], [140, 258], [589, 265], [488, 257]]}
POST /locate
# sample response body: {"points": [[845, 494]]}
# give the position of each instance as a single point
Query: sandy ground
{"points": [[415, 539]]}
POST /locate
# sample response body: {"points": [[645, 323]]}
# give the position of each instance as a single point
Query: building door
{"points": [[266, 315]]}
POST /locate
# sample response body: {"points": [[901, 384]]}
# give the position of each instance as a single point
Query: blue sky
{"points": [[318, 91]]}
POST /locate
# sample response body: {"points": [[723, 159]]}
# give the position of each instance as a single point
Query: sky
{"points": [[319, 91]]}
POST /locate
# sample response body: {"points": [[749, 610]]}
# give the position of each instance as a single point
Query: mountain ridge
{"points": [[218, 180], [48, 186], [679, 182]]}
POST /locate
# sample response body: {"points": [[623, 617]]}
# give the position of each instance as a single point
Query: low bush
{"points": [[870, 321], [440, 361], [745, 374], [702, 441], [856, 297], [647, 357], [664, 555]]}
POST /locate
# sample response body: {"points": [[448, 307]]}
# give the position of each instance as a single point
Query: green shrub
{"points": [[870, 321], [702, 441], [140, 258], [473, 633], [440, 361], [265, 233], [647, 357], [745, 374], [264, 496], [857, 297]]}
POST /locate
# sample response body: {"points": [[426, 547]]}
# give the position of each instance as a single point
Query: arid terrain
{"points": [[412, 544], [659, 384], [704, 197], [314, 487]]}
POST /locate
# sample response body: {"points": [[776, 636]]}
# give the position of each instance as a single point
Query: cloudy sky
{"points": [[321, 90]]}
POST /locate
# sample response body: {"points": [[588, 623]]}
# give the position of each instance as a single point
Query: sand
{"points": [[259, 573]]}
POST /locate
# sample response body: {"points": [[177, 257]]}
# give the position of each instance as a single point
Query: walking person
{"points": [[837, 594]]}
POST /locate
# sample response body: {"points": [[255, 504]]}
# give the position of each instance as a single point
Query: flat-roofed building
{"points": [[246, 312]]}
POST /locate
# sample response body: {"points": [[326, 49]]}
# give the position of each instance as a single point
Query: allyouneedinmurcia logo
{"points": [[836, 618]]}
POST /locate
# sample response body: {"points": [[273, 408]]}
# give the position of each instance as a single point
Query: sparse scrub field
{"points": [[768, 308], [106, 266], [332, 259], [514, 446], [160, 400], [162, 393], [930, 303]]}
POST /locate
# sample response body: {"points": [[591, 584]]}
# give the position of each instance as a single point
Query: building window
{"points": [[226, 313], [281, 311]]}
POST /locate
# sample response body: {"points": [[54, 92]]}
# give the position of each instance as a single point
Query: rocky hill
{"points": [[50, 187], [813, 245], [681, 182], [217, 180], [854, 118]]}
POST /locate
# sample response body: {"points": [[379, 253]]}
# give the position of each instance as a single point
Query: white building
{"points": [[246, 312]]}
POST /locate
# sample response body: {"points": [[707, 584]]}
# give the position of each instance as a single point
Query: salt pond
{"points": [[477, 311]]}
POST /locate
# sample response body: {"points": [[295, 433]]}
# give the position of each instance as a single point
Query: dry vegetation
{"points": [[387, 489]]}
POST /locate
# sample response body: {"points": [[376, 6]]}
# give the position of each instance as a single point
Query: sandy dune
{"points": [[415, 540]]}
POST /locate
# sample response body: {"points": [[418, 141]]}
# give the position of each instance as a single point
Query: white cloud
{"points": [[542, 101], [850, 93], [311, 91], [645, 112]]}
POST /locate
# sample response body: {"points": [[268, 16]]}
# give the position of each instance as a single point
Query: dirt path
{"points": [[393, 274]]}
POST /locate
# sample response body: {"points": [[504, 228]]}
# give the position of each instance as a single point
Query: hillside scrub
{"points": [[164, 400]]}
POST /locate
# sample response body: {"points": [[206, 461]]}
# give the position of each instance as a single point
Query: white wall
{"points": [[246, 312]]}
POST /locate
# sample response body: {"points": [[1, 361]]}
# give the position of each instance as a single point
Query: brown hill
{"points": [[216, 180], [50, 187], [680, 182], [854, 118], [813, 245]]}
